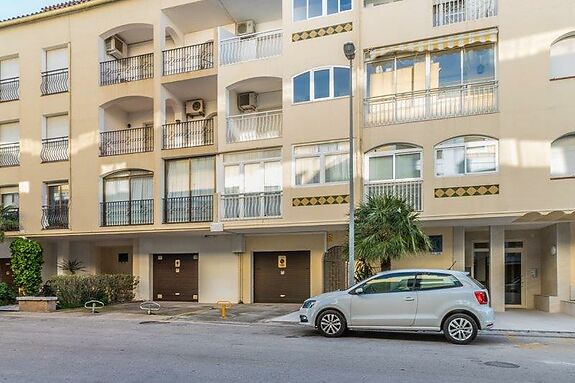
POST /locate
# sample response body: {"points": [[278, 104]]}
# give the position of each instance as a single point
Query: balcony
{"points": [[9, 155], [188, 134], [127, 141], [251, 205], [11, 220], [251, 47], [127, 213], [431, 104], [447, 12], [54, 81], [410, 191], [189, 209], [54, 149], [188, 59], [9, 89], [55, 217], [126, 70], [254, 126]]}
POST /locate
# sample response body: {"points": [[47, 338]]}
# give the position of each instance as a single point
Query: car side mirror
{"points": [[358, 291]]}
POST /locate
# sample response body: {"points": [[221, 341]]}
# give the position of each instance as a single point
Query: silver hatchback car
{"points": [[405, 300]]}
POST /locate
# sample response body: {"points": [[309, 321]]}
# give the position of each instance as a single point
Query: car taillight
{"points": [[481, 297]]}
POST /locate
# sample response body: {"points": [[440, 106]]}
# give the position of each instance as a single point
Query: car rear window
{"points": [[476, 282], [433, 281]]}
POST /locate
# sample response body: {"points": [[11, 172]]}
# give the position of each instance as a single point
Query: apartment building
{"points": [[201, 145]]}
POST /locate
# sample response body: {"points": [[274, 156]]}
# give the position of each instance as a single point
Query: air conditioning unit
{"points": [[195, 108], [116, 47], [248, 102], [245, 28]]}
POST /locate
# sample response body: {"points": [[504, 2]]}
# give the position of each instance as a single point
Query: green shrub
{"points": [[26, 264], [7, 295], [75, 290]]}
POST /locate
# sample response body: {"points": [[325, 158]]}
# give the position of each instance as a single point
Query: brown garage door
{"points": [[176, 277], [6, 271], [281, 277]]}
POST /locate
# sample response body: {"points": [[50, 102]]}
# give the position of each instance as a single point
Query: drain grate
{"points": [[501, 364]]}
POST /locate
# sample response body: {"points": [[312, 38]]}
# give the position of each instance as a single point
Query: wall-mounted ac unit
{"points": [[245, 28], [248, 102], [116, 47], [195, 108]]}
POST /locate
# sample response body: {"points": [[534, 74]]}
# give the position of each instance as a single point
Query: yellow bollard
{"points": [[224, 305]]}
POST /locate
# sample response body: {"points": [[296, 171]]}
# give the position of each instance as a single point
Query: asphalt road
{"points": [[93, 349]]}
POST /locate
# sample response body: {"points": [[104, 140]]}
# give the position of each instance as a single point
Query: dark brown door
{"points": [[6, 271], [176, 277], [281, 277]]}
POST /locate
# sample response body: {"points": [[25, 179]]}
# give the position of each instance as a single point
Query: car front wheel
{"points": [[460, 329], [331, 324]]}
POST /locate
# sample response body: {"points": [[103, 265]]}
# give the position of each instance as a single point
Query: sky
{"points": [[11, 8]]}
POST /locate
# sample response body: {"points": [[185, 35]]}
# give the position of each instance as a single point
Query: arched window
{"points": [[466, 155], [397, 162], [563, 57], [128, 198], [563, 157], [321, 84]]}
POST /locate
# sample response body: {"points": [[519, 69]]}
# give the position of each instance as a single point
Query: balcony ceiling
{"points": [[203, 87], [132, 104], [258, 85], [137, 35]]}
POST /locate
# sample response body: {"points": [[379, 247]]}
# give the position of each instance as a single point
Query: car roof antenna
{"points": [[453, 264]]}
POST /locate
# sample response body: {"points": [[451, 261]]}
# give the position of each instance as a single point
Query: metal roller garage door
{"points": [[281, 277], [176, 277]]}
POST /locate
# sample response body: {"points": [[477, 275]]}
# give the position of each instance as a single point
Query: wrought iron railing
{"points": [[127, 141], [189, 209], [54, 81], [188, 134], [254, 126], [455, 101], [410, 191], [55, 217], [9, 154], [457, 11], [10, 220], [9, 89], [54, 149], [126, 213], [189, 59], [251, 47], [251, 205], [125, 70]]}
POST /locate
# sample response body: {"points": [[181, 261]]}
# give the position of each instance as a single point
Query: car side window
{"points": [[436, 281], [391, 283]]}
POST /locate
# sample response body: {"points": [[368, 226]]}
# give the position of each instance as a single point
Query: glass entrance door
{"points": [[480, 271], [513, 273]]}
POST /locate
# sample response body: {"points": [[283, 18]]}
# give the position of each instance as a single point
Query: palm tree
{"points": [[386, 228]]}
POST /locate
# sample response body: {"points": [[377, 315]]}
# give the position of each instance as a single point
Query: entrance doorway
{"points": [[513, 273], [480, 270], [334, 270]]}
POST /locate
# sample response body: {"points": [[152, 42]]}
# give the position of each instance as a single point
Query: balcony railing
{"points": [[189, 209], [254, 126], [55, 217], [9, 89], [54, 81], [457, 11], [11, 220], [188, 134], [252, 205], [126, 213], [125, 70], [251, 47], [127, 141], [189, 59], [54, 149], [9, 155], [463, 100], [410, 191]]}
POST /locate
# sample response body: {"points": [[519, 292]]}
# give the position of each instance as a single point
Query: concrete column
{"points": [[62, 254], [497, 267], [563, 261], [142, 269], [459, 248]]}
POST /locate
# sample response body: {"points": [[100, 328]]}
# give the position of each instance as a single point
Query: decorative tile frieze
{"points": [[321, 200], [466, 191], [321, 32]]}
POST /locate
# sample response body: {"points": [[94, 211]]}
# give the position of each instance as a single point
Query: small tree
{"points": [[71, 266], [5, 220], [26, 264], [386, 228]]}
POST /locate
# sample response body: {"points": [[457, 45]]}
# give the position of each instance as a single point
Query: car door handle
{"points": [[409, 299]]}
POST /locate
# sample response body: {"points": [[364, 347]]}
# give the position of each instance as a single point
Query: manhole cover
{"points": [[501, 364]]}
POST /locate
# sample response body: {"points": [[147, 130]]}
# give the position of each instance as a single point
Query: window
{"points": [[563, 157], [466, 155], [320, 84], [309, 9], [394, 162], [131, 185], [56, 126], [56, 59], [390, 283], [9, 69], [190, 177], [123, 258], [9, 197], [436, 244], [253, 172], [9, 133], [436, 281], [321, 163], [563, 57]]}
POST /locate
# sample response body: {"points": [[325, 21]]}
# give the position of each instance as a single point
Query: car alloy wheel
{"points": [[331, 324], [460, 329]]}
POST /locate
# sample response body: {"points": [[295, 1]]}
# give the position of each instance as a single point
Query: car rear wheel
{"points": [[460, 329], [331, 324]]}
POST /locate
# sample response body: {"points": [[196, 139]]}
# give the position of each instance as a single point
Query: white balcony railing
{"points": [[410, 191], [457, 11], [254, 126], [251, 47], [431, 104], [252, 205]]}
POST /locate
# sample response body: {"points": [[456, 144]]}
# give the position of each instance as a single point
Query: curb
{"points": [[531, 333]]}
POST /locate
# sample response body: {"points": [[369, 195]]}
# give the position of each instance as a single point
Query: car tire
{"points": [[331, 324], [460, 329]]}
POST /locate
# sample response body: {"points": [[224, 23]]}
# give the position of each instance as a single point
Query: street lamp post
{"points": [[349, 51]]}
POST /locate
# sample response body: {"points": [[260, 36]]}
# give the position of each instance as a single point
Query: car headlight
{"points": [[308, 304]]}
